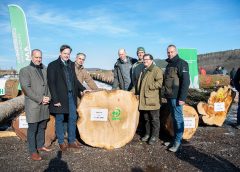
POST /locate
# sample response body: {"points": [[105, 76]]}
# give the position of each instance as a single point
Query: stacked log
{"points": [[11, 89], [21, 130], [211, 81], [11, 107], [108, 119], [214, 112], [190, 116]]}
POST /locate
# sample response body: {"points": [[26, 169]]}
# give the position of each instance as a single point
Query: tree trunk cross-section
{"points": [[108, 119], [214, 112], [190, 116]]}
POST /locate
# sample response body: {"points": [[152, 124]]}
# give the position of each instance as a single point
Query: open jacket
{"points": [[83, 76], [58, 86]]}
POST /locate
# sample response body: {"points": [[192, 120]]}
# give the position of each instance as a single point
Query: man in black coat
{"points": [[176, 84], [237, 86], [64, 88]]}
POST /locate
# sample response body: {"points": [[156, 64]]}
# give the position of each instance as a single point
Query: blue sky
{"points": [[100, 28]]}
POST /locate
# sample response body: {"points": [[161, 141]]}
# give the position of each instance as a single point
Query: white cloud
{"points": [[91, 22]]}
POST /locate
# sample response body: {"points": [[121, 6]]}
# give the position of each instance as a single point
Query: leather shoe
{"points": [[44, 149], [63, 147], [74, 145], [36, 157], [152, 140], [145, 138]]}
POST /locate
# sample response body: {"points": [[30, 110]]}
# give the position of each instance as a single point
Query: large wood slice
{"points": [[211, 116], [121, 118], [190, 117], [22, 132]]}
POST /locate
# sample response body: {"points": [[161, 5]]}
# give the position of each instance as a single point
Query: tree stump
{"points": [[108, 119], [190, 120], [22, 132], [214, 112]]}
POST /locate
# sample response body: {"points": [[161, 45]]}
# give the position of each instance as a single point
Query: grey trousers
{"points": [[36, 135]]}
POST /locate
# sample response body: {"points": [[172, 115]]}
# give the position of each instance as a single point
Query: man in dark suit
{"points": [[33, 80], [64, 88]]}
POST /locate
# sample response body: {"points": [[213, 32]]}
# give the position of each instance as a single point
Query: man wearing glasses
{"points": [[148, 89]]}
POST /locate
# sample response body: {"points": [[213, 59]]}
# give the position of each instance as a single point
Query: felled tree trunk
{"points": [[190, 120], [108, 119], [11, 107], [22, 132], [11, 89], [214, 112]]}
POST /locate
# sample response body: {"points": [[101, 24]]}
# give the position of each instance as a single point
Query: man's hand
{"points": [[181, 102], [85, 91], [57, 104], [45, 100]]}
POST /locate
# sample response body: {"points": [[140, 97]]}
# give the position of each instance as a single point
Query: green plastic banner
{"points": [[20, 36], [190, 55]]}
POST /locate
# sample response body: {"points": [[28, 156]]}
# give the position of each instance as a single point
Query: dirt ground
{"points": [[210, 149]]}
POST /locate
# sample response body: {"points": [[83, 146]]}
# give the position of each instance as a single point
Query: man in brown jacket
{"points": [[148, 89], [82, 73]]}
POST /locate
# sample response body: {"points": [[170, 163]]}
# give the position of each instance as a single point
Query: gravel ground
{"points": [[210, 149]]}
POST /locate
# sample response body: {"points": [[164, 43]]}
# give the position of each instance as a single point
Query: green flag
{"points": [[20, 36], [190, 55]]}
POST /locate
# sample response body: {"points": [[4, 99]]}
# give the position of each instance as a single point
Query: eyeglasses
{"points": [[146, 59]]}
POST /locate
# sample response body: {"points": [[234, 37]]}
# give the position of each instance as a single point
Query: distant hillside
{"points": [[227, 59], [160, 63]]}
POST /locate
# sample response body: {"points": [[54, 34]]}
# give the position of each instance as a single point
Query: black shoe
{"points": [[168, 144], [145, 138], [175, 147], [152, 140], [237, 126]]}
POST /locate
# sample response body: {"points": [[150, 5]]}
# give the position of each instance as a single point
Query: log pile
{"points": [[108, 119]]}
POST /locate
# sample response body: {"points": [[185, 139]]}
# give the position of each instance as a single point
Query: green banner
{"points": [[20, 36], [190, 55]]}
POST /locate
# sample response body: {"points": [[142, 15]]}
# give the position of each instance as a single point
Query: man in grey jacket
{"points": [[123, 71], [33, 80]]}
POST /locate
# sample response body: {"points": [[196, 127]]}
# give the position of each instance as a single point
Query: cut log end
{"points": [[108, 119], [215, 111]]}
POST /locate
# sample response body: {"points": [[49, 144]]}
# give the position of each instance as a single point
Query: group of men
{"points": [[146, 80], [55, 90]]}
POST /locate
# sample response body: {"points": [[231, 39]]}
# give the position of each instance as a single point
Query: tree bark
{"points": [[11, 107]]}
